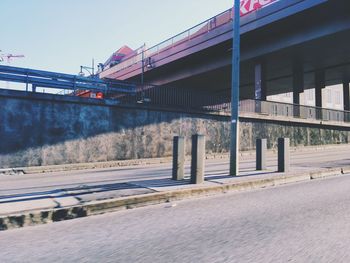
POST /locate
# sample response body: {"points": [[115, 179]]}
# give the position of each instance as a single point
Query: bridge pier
{"points": [[298, 87], [319, 85], [260, 82], [346, 95]]}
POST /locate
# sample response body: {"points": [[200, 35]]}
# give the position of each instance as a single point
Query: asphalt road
{"points": [[29, 183], [305, 222]]}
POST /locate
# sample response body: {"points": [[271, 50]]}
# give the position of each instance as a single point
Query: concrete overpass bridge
{"points": [[288, 46]]}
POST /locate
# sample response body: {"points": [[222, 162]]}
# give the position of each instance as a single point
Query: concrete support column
{"points": [[178, 158], [261, 149], [319, 85], [260, 82], [283, 155], [298, 86], [346, 95], [198, 159]]}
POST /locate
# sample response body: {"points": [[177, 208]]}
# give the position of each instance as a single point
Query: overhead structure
{"points": [[73, 83], [126, 57]]}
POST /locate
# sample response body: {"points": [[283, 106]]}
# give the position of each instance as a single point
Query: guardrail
{"points": [[271, 108]]}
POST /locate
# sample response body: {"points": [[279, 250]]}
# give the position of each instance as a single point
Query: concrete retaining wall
{"points": [[42, 129]]}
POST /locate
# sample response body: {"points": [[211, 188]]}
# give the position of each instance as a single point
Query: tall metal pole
{"points": [[143, 63], [143, 72], [93, 67], [142, 66], [234, 146]]}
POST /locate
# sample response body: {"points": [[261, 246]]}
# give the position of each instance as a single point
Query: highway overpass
{"points": [[288, 46]]}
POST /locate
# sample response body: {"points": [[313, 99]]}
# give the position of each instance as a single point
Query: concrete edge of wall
{"points": [[293, 121], [100, 102], [112, 103]]}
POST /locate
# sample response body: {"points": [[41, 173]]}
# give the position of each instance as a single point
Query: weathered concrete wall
{"points": [[41, 129]]}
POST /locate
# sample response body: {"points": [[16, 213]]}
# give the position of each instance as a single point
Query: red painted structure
{"points": [[90, 94], [248, 6]]}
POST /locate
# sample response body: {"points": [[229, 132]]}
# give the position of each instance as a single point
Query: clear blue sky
{"points": [[61, 35]]}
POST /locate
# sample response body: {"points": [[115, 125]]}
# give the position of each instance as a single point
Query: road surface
{"points": [[304, 222], [300, 161]]}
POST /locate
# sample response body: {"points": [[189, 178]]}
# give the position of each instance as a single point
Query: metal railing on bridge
{"points": [[200, 29], [185, 36], [271, 108]]}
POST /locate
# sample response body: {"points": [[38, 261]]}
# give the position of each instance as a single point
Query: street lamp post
{"points": [[142, 64], [234, 145], [143, 72], [92, 68]]}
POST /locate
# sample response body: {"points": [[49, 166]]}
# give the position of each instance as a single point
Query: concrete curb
{"points": [[99, 207]]}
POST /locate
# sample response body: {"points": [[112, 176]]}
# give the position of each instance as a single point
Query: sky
{"points": [[61, 35]]}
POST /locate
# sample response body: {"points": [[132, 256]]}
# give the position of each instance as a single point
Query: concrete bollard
{"points": [[283, 155], [178, 158], [198, 159], [261, 149]]}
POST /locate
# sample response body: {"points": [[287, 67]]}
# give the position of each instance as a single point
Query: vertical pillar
{"points": [[260, 87], [198, 159], [178, 158], [283, 155], [319, 85], [261, 148], [260, 82], [346, 95], [298, 87]]}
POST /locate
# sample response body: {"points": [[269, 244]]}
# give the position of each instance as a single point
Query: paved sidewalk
{"points": [[22, 193]]}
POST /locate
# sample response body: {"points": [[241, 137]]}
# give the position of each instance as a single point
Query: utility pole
{"points": [[234, 145], [143, 72], [143, 63]]}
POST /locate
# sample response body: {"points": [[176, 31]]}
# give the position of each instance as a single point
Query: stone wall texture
{"points": [[47, 130]]}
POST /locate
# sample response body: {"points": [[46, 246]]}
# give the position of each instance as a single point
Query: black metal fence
{"points": [[180, 98], [160, 96], [272, 108], [173, 97]]}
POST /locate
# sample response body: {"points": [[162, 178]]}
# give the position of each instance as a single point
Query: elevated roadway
{"points": [[290, 45]]}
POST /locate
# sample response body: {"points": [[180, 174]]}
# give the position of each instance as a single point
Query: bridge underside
{"points": [[307, 50], [278, 66]]}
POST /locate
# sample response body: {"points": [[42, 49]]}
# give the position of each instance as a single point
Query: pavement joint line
{"points": [[37, 217]]}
